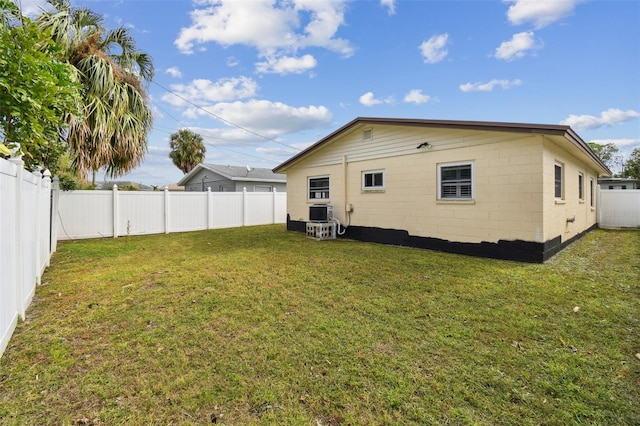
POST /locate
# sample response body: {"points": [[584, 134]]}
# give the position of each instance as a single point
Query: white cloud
{"points": [[488, 86], [287, 65], [271, 27], [32, 8], [201, 91], [610, 117], [416, 97], [270, 118], [277, 151], [390, 5], [174, 72], [540, 13], [162, 150], [434, 50], [621, 143], [368, 99], [518, 46]]}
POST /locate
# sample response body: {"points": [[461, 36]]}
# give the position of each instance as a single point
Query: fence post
{"points": [[209, 208], [55, 197], [166, 209], [273, 205], [19, 285], [245, 212], [47, 177], [598, 207], [38, 236], [116, 224]]}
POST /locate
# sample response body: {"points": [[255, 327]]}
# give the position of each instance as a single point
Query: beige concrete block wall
{"points": [[507, 202], [556, 212]]}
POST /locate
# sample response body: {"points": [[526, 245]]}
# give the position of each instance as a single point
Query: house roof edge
{"points": [[547, 129]]}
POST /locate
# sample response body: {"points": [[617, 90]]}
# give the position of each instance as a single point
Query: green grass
{"points": [[260, 326]]}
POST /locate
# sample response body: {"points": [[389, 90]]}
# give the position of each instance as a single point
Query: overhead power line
{"points": [[169, 131], [230, 123]]}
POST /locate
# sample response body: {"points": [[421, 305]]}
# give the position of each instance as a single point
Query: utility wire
{"points": [[230, 123], [224, 151]]}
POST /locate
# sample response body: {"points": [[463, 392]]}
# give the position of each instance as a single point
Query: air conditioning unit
{"points": [[320, 213]]}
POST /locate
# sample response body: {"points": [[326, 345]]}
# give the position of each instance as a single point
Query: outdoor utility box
{"points": [[321, 230], [320, 213]]}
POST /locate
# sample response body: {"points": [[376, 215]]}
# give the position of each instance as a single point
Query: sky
{"points": [[262, 80]]}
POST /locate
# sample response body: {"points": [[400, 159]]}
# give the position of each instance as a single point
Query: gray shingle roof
{"points": [[245, 173]]}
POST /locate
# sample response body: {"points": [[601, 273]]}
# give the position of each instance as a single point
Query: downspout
{"points": [[344, 180], [345, 196]]}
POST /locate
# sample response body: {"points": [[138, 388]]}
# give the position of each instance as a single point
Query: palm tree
{"points": [[112, 133], [187, 150]]}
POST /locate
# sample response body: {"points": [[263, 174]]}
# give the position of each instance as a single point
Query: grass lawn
{"points": [[260, 326]]}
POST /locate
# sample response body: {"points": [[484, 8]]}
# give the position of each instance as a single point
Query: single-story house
{"points": [[500, 190], [222, 178], [618, 183]]}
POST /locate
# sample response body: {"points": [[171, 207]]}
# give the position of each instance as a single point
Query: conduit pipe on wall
{"points": [[345, 166]]}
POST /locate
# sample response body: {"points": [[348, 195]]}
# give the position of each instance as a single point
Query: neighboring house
{"points": [[173, 187], [619, 183], [500, 190], [233, 179]]}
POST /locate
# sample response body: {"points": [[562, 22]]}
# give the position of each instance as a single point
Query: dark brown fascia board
{"points": [[314, 146], [547, 129]]}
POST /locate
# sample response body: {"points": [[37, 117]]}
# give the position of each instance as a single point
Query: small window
{"points": [[591, 201], [367, 134], [580, 186], [373, 180], [319, 188], [559, 181], [455, 181]]}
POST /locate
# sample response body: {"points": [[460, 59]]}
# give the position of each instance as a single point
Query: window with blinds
{"points": [[455, 181]]}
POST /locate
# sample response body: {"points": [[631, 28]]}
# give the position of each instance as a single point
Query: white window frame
{"points": [[581, 186], [471, 183], [555, 181], [321, 191], [372, 173], [591, 193]]}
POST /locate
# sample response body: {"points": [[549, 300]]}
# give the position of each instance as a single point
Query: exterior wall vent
{"points": [[367, 135]]}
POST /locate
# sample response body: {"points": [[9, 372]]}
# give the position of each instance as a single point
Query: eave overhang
{"points": [[543, 129]]}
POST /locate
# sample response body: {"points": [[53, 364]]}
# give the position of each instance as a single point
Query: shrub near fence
{"points": [[95, 214], [25, 240]]}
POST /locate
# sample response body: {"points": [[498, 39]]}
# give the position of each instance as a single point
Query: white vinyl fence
{"points": [[95, 214], [619, 208], [35, 214], [25, 240]]}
